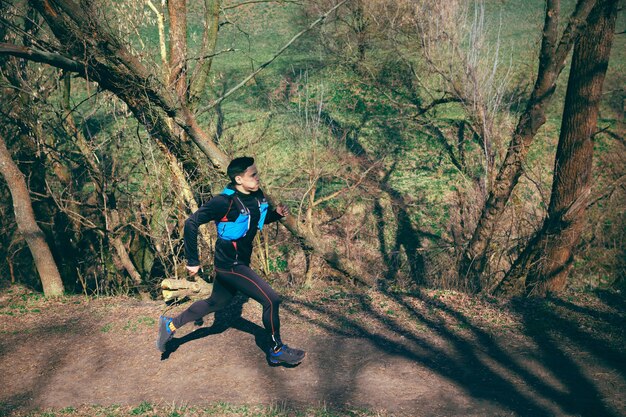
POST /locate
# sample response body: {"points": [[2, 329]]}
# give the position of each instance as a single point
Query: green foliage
{"points": [[142, 408], [22, 302], [278, 264]]}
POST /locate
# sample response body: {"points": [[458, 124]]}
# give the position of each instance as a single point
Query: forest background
{"points": [[415, 141]]}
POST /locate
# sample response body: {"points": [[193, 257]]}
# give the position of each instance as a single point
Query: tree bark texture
{"points": [[177, 78], [545, 264], [177, 10], [205, 61], [551, 62], [28, 227]]}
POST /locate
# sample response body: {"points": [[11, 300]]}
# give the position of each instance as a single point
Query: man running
{"points": [[238, 212]]}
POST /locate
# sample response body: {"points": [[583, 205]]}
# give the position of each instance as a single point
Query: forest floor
{"points": [[429, 353]]}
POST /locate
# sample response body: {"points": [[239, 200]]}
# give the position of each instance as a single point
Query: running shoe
{"points": [[166, 332], [286, 355]]}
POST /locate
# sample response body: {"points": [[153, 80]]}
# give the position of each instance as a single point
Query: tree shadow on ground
{"points": [[50, 327], [545, 375], [227, 318]]}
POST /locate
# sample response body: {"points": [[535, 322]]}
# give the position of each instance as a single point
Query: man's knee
{"points": [[275, 299], [270, 300], [216, 305]]}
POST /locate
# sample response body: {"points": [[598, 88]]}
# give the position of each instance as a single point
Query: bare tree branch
{"points": [[56, 60], [243, 3], [276, 55], [223, 51]]}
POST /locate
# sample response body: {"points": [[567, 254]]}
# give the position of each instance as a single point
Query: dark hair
{"points": [[238, 166]]}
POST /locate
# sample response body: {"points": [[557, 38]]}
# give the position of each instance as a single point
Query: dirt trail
{"points": [[401, 355]]}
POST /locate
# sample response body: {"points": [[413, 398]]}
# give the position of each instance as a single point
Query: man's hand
{"points": [[193, 270], [282, 210]]}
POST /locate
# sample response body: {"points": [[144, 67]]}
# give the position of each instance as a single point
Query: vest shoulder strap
{"points": [[241, 208]]}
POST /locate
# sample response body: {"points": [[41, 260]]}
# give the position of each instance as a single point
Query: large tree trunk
{"points": [[28, 227], [551, 63], [547, 260]]}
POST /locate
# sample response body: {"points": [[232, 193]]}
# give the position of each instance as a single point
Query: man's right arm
{"points": [[214, 209]]}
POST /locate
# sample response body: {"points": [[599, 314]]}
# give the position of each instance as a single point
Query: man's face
{"points": [[248, 182]]}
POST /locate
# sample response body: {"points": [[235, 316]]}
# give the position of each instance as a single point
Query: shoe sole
{"points": [[279, 362]]}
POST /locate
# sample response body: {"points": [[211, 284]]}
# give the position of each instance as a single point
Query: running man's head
{"points": [[243, 174]]}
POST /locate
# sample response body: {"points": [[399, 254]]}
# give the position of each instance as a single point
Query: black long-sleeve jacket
{"points": [[227, 253]]}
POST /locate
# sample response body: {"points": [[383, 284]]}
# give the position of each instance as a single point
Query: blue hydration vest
{"points": [[233, 230]]}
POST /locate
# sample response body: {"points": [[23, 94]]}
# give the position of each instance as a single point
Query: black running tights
{"points": [[227, 283]]}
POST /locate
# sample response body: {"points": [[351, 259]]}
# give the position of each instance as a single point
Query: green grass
{"points": [[142, 409], [106, 328], [134, 325], [221, 409], [22, 303]]}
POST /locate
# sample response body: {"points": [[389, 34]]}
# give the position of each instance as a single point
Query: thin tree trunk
{"points": [[28, 227], [122, 254], [547, 260], [205, 60], [177, 10], [165, 73], [177, 79], [551, 63], [162, 44]]}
